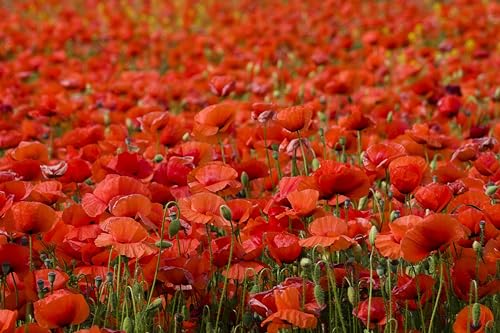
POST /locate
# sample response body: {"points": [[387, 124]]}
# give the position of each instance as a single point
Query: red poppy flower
{"points": [[389, 244], [288, 312], [464, 271], [435, 232], [222, 85], [30, 217], [111, 188], [464, 322], [214, 177], [202, 208], [434, 196], [214, 119], [378, 156], [32, 328], [413, 292], [355, 120], [282, 246], [406, 173], [60, 309], [295, 118], [328, 231], [334, 178], [378, 316], [7, 321], [127, 237]]}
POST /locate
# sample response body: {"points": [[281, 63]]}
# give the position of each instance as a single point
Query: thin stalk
{"points": [[302, 151], [224, 288], [434, 310]]}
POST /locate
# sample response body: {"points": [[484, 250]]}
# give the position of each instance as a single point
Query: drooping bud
{"points": [[476, 315], [174, 227], [305, 263]]}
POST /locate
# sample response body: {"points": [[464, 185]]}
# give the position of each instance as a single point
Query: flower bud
{"points": [[372, 235], [351, 295], [319, 295], [305, 262], [127, 325], [163, 244], [491, 190], [395, 214], [155, 304], [158, 158], [174, 227], [315, 164], [477, 246], [476, 315], [185, 137], [225, 212], [244, 179]]}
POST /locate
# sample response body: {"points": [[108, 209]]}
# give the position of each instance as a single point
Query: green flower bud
{"points": [[155, 304], [319, 295], [395, 214], [372, 235], [477, 246], [185, 137], [351, 295], [127, 325], [244, 179], [491, 190], [174, 227], [476, 315], [225, 212], [315, 164], [163, 244], [389, 117], [305, 262], [158, 158]]}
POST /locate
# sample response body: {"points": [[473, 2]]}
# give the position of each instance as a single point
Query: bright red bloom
{"points": [[334, 178], [464, 323], [435, 232], [406, 173], [282, 246], [60, 309], [30, 217]]}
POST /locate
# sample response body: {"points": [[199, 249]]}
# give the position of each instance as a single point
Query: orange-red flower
{"points": [[288, 312], [8, 321], [295, 118], [406, 173], [214, 119], [30, 217], [127, 237], [464, 322], [60, 309], [435, 233], [214, 177], [329, 232], [434, 196], [334, 178]]}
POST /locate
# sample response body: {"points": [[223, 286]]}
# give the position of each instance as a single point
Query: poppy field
{"points": [[250, 166]]}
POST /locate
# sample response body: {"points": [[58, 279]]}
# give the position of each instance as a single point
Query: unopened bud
{"points": [[305, 262], [476, 315], [477, 246], [315, 164], [158, 158], [372, 235], [127, 325], [163, 244], [174, 227], [351, 295], [225, 212], [244, 179], [491, 190], [395, 214]]}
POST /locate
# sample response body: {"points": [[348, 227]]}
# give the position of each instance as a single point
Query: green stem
{"points": [[302, 151], [434, 310]]}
